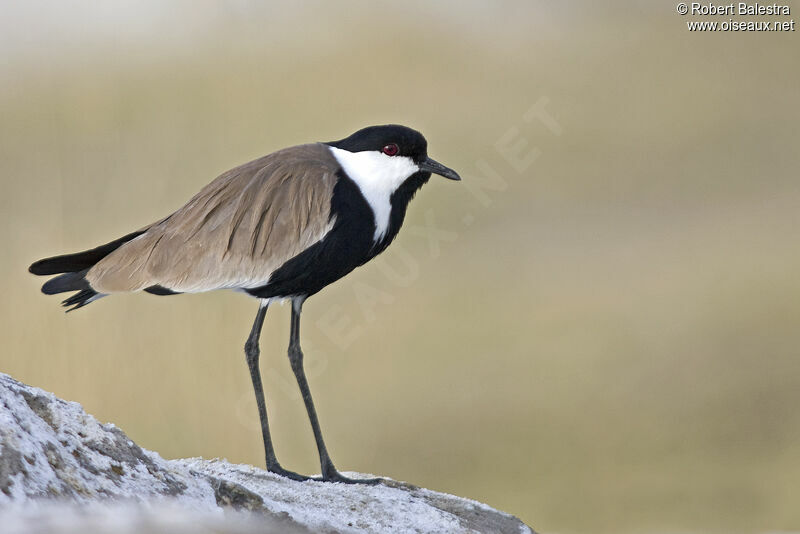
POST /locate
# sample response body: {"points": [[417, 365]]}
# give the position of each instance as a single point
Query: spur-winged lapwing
{"points": [[283, 226]]}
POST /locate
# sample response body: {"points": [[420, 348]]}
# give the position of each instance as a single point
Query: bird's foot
{"points": [[336, 476], [280, 471]]}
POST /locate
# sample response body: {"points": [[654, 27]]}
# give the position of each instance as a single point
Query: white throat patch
{"points": [[377, 176]]}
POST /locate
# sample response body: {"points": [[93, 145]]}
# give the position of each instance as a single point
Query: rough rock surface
{"points": [[61, 471]]}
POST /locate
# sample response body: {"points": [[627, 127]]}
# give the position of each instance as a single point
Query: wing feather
{"points": [[235, 232]]}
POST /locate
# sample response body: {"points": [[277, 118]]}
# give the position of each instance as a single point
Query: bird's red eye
{"points": [[391, 149]]}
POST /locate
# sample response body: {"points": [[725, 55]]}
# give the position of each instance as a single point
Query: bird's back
{"points": [[235, 232]]}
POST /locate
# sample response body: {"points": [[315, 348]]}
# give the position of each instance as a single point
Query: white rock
{"points": [[63, 472]]}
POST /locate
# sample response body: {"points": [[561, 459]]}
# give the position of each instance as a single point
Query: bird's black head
{"points": [[398, 141], [409, 142]]}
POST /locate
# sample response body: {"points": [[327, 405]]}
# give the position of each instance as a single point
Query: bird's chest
{"points": [[380, 207], [367, 221], [351, 242]]}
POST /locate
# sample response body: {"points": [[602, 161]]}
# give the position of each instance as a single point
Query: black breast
{"points": [[349, 244], [345, 247]]}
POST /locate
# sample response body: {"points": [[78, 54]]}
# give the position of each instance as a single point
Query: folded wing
{"points": [[232, 234]]}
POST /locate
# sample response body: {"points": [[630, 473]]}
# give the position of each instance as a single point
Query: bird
{"points": [[281, 227]]}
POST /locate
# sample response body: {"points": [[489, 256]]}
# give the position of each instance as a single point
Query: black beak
{"points": [[435, 167]]}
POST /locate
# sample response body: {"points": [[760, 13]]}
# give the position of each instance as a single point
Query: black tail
{"points": [[70, 263], [75, 267]]}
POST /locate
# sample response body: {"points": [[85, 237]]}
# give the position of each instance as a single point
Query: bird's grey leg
{"points": [[329, 472], [252, 353]]}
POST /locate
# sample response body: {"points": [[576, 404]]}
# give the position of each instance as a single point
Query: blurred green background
{"points": [[601, 338]]}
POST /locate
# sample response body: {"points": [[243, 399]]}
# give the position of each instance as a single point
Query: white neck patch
{"points": [[377, 176]]}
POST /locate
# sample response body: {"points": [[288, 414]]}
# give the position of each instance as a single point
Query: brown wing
{"points": [[235, 232]]}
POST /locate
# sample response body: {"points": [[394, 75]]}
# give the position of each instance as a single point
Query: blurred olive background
{"points": [[602, 337]]}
